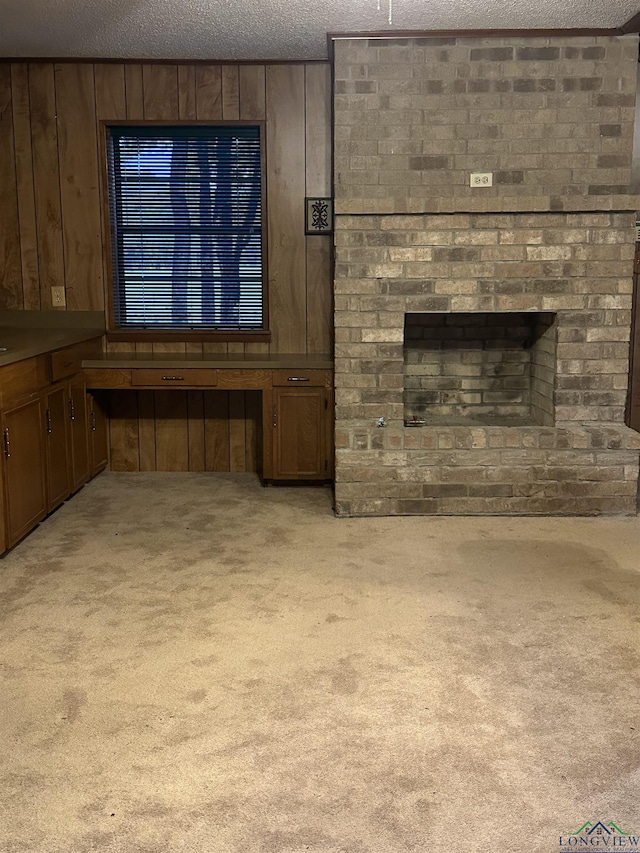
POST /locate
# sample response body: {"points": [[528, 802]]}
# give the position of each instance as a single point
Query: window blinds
{"points": [[186, 226]]}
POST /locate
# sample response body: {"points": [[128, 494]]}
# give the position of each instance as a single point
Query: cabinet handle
{"points": [[275, 416], [67, 363], [173, 378], [297, 379], [7, 445], [47, 415], [93, 421], [72, 410]]}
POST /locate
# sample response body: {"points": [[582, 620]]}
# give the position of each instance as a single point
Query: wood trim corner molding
{"points": [[632, 25]]}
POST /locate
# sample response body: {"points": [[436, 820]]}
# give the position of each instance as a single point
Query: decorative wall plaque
{"points": [[318, 215]]}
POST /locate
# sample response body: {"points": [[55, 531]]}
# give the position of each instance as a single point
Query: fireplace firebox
{"points": [[484, 368]]}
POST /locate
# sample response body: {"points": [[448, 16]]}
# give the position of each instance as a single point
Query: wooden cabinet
{"points": [[24, 468], [302, 424], [79, 432], [299, 421], [70, 445], [45, 432], [67, 364], [295, 441], [98, 435], [57, 442]]}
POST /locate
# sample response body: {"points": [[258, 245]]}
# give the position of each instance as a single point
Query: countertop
{"points": [[212, 361], [26, 334]]}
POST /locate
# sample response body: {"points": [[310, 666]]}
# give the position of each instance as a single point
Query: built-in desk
{"points": [[297, 398]]}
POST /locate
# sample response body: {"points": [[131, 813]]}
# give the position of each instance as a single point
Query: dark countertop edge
{"points": [[255, 362], [24, 343], [55, 319]]}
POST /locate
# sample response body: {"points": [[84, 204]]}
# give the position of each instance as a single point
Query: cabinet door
{"points": [[57, 447], [24, 468], [98, 435], [299, 434], [77, 401]]}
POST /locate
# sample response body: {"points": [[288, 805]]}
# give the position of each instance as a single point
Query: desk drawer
{"points": [[174, 377], [65, 363], [301, 378]]}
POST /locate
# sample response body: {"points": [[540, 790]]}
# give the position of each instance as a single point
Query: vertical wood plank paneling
{"points": [[111, 105], [319, 297], [134, 92], [204, 92], [230, 93], [79, 194], [251, 84], [111, 91], [285, 205], [46, 174], [11, 293], [251, 81], [27, 238], [123, 431], [195, 415], [122, 347], [208, 92], [216, 431], [215, 348], [172, 438], [318, 129], [160, 92], [318, 183], [170, 347], [147, 430], [187, 92], [236, 431], [253, 428]]}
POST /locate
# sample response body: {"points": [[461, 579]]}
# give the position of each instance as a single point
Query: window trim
{"points": [[166, 333]]}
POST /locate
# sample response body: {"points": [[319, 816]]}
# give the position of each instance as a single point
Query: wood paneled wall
{"points": [[52, 232], [184, 430]]}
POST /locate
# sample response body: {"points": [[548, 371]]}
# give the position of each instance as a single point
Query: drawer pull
{"points": [[67, 363], [7, 445], [173, 378], [297, 379]]}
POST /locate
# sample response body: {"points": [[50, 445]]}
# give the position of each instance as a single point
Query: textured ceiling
{"points": [[266, 29]]}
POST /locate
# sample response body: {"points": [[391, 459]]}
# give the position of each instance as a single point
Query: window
{"points": [[186, 213]]}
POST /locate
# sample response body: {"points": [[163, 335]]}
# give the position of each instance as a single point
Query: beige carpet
{"points": [[190, 662]]}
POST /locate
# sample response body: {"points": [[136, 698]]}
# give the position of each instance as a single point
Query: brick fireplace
{"points": [[488, 328]]}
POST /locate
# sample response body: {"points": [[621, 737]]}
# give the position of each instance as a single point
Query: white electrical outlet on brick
{"points": [[481, 179]]}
